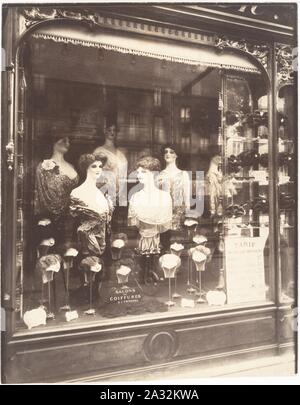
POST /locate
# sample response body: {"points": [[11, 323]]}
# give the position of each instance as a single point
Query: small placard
{"points": [[123, 295], [245, 271]]}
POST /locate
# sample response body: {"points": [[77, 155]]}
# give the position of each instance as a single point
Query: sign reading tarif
{"points": [[245, 270]]}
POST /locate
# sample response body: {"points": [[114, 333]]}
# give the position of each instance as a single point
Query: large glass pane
{"points": [[245, 187], [146, 188], [287, 187]]}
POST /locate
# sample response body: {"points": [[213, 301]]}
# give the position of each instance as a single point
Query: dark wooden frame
{"points": [[237, 332]]}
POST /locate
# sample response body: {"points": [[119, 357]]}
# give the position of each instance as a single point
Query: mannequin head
{"points": [[92, 165], [214, 164], [57, 142], [170, 154], [61, 145], [146, 168], [111, 132], [216, 160]]}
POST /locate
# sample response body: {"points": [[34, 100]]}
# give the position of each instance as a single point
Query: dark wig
{"points": [[174, 147]]}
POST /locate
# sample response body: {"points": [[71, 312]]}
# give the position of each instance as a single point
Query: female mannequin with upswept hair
{"points": [[177, 183], [214, 182], [54, 181], [150, 210], [92, 207], [116, 162]]}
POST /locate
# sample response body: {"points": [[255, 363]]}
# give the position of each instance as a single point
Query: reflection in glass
{"points": [[204, 120]]}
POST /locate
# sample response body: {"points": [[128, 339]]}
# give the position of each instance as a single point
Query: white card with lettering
{"points": [[245, 273]]}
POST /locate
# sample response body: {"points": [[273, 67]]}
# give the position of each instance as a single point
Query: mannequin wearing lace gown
{"points": [[150, 210], [177, 183]]}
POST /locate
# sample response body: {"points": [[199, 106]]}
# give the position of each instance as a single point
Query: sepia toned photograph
{"points": [[148, 192]]}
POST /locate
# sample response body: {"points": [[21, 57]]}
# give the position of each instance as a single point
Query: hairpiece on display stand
{"points": [[68, 258], [44, 247], [91, 265], [118, 243], [48, 265], [122, 274], [189, 285], [169, 264], [200, 248], [43, 250], [200, 240], [199, 259], [191, 225], [177, 248]]}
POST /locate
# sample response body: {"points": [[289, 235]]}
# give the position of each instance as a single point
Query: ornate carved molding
{"points": [[95, 19], [258, 51], [34, 15], [285, 64]]}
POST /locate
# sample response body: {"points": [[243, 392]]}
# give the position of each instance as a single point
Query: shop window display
{"points": [[286, 190], [120, 230]]}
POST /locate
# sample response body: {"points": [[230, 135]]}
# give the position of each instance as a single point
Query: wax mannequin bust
{"points": [[55, 179], [177, 183], [116, 160], [91, 206], [150, 209], [214, 181]]}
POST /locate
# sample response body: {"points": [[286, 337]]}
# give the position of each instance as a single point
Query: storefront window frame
{"points": [[267, 74]]}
